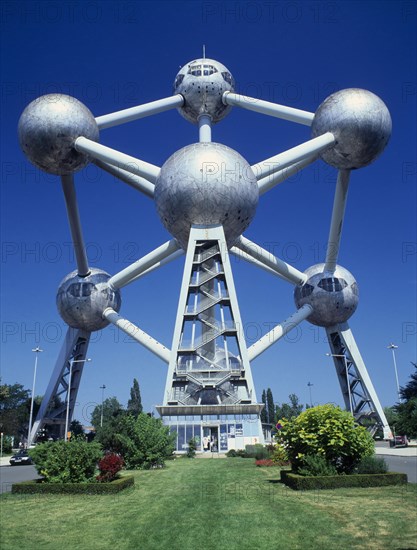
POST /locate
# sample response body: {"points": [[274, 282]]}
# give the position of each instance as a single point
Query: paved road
{"points": [[403, 464], [13, 474]]}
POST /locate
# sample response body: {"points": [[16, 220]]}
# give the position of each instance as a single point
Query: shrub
{"points": [[257, 451], [109, 466], [372, 465], [7, 444], [328, 431], [306, 483], [35, 487], [192, 446], [71, 461], [316, 465], [280, 456]]}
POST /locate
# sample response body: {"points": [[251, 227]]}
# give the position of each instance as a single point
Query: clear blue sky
{"points": [[113, 55]]}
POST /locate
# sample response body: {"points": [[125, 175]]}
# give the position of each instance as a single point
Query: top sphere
{"points": [[48, 128], [361, 124], [202, 83]]}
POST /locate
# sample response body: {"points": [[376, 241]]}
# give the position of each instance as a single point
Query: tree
{"points": [[14, 410], [329, 432], [289, 410], [407, 409], [144, 442], [76, 428], [263, 412], [134, 405], [270, 407], [111, 408]]}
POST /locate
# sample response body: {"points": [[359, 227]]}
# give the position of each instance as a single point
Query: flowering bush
{"points": [[265, 462], [109, 466]]}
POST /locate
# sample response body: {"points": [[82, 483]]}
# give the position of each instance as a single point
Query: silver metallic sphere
{"points": [[82, 300], [361, 124], [333, 296], [206, 184], [202, 83], [48, 128]]}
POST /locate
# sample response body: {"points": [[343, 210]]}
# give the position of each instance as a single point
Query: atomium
{"points": [[206, 195], [333, 295], [206, 184], [82, 300], [48, 128]]}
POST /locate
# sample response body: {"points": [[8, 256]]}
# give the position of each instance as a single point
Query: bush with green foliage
{"points": [[143, 441], [88, 488], [328, 431], [372, 465], [279, 455], [316, 465], [191, 449], [306, 483], [7, 444], [256, 451], [73, 461]]}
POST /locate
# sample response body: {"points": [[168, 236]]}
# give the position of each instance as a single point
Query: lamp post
{"points": [[309, 387], [68, 394], [393, 347], [37, 350], [103, 387], [347, 377]]}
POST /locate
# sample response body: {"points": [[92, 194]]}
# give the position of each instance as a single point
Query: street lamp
{"points": [[347, 376], [68, 393], [393, 347], [309, 387], [37, 350], [103, 387]]}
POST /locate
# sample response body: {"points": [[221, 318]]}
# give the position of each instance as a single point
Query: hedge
{"points": [[305, 483], [40, 487]]}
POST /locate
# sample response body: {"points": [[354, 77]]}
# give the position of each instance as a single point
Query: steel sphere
{"points": [[361, 124], [333, 296], [82, 300], [206, 184], [48, 128], [202, 83]]}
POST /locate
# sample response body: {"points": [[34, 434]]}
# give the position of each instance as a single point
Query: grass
{"points": [[213, 504]]}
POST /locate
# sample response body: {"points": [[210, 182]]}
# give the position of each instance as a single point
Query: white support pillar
{"points": [[75, 225], [121, 160], [268, 108], [144, 264], [137, 334], [278, 332], [336, 226], [140, 111], [301, 152], [289, 273], [204, 127], [268, 182], [141, 184]]}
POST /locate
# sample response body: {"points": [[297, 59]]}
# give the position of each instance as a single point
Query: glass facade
{"points": [[215, 432]]}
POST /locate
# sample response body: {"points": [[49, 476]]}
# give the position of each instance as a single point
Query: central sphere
{"points": [[206, 184]]}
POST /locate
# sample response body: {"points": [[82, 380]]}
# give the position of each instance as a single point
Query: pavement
{"points": [[383, 448]]}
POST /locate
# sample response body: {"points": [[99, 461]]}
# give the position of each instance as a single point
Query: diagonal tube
{"points": [[121, 160], [137, 334], [278, 332], [268, 182], [144, 264], [139, 111], [306, 150], [336, 225], [75, 224], [289, 273], [268, 108], [141, 184]]}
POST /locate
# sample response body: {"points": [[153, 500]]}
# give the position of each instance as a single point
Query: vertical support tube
{"points": [[75, 224], [336, 226], [204, 127]]}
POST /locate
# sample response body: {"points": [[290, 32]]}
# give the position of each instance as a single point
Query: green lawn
{"points": [[213, 504]]}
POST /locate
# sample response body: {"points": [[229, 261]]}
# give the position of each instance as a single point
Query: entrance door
{"points": [[211, 439]]}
